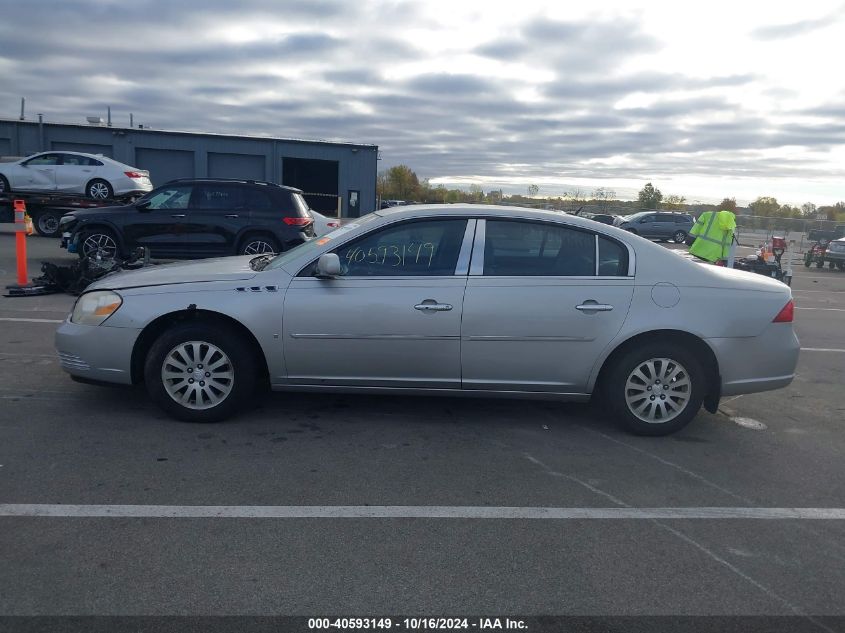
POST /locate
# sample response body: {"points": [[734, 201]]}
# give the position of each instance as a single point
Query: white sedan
{"points": [[92, 175], [323, 224]]}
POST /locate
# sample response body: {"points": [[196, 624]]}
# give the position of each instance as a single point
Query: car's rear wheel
{"points": [[679, 237], [841, 265], [200, 372], [831, 265], [100, 241], [99, 189], [258, 245], [47, 223], [4, 185], [656, 388]]}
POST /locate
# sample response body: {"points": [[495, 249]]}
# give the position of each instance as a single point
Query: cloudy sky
{"points": [[705, 99]]}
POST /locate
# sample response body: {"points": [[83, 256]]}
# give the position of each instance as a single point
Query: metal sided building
{"points": [[331, 174]]}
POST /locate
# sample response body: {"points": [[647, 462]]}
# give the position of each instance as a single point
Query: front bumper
{"points": [[96, 352], [757, 363]]}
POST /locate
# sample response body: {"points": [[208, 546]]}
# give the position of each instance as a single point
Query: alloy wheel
{"points": [[99, 191], [259, 247], [658, 390], [197, 375], [101, 242]]}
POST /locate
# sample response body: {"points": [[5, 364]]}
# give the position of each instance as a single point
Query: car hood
{"points": [[94, 211], [205, 270]]}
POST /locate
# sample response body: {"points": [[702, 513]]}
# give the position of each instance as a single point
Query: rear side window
{"points": [[256, 200], [683, 219], [613, 258], [534, 249]]}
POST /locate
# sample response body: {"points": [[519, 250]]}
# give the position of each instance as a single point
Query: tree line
{"points": [[401, 183]]}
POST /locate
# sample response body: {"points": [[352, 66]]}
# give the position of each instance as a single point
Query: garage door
{"points": [[165, 164], [247, 166], [87, 148]]}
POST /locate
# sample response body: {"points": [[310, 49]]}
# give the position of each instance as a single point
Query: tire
{"points": [[808, 259], [840, 265], [831, 265], [4, 185], [99, 189], [258, 244], [679, 237], [621, 388], [47, 223], [820, 263], [98, 239], [215, 401]]}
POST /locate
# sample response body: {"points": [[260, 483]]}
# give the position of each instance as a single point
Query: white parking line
{"points": [[23, 320], [409, 512], [825, 309], [821, 349]]}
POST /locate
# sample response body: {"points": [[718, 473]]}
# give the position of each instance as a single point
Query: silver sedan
{"points": [[449, 300]]}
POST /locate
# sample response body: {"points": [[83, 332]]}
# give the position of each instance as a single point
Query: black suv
{"points": [[657, 225], [193, 218]]}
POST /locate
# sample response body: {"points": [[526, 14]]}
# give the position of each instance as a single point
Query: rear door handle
{"points": [[588, 306], [178, 215], [425, 306]]}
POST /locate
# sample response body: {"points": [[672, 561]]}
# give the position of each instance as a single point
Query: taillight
{"points": [[786, 314], [298, 221], [135, 174]]}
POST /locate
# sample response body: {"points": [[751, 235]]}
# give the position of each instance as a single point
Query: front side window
{"points": [[44, 159], [79, 161], [665, 218], [420, 248], [175, 197], [534, 249]]}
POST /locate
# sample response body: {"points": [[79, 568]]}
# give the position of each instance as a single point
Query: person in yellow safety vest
{"points": [[713, 232]]}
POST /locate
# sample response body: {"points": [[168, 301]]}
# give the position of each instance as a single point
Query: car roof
{"points": [[243, 181], [487, 211]]}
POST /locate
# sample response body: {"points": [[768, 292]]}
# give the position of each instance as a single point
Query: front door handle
{"points": [[429, 305], [233, 215], [178, 215], [592, 306]]}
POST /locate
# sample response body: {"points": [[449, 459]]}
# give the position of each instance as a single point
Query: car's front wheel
{"points": [[679, 237], [200, 372], [656, 388], [100, 241], [4, 185]]}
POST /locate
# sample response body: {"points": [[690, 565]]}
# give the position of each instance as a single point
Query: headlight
{"points": [[93, 308]]}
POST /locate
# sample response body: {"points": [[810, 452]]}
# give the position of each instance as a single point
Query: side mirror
{"points": [[328, 266], [143, 206]]}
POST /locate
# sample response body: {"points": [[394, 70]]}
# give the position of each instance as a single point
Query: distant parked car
{"points": [[604, 218], [835, 254], [386, 204], [194, 218], [91, 175], [658, 225], [322, 224]]}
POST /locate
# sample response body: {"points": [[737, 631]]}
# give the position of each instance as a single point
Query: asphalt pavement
{"points": [[65, 443]]}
